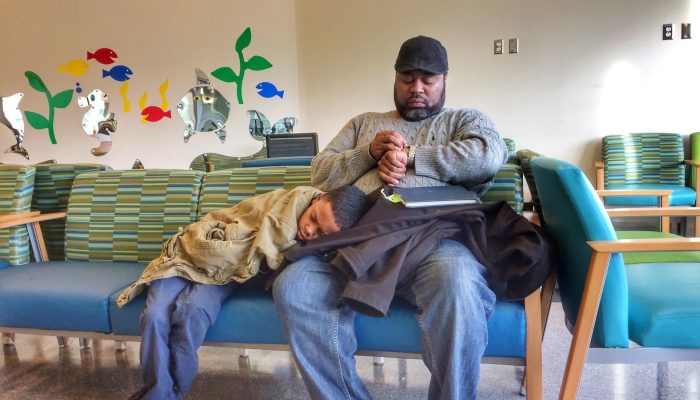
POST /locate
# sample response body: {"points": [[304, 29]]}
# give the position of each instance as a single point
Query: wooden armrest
{"points": [[17, 219], [643, 245], [653, 211], [692, 163], [633, 192]]}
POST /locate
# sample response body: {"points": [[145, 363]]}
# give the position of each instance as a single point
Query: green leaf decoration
{"points": [[35, 81], [61, 100], [257, 63], [243, 41], [225, 74], [37, 121]]}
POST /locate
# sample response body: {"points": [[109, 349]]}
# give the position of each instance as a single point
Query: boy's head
{"points": [[332, 212]]}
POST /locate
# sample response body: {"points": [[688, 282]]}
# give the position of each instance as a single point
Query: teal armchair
{"points": [[646, 169], [626, 312]]}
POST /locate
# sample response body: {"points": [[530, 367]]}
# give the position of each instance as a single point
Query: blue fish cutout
{"points": [[118, 73], [268, 90]]}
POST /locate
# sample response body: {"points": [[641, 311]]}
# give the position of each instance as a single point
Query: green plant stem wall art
{"points": [[255, 63], [60, 100]]}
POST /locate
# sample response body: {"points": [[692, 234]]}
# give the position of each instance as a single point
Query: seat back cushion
{"points": [[575, 215], [647, 158], [225, 188], [507, 186], [127, 215], [16, 190], [52, 187]]}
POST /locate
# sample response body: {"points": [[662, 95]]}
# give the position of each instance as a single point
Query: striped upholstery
{"points": [[643, 158], [127, 215], [51, 189], [510, 145], [507, 186], [525, 156], [16, 189], [226, 188], [220, 161]]}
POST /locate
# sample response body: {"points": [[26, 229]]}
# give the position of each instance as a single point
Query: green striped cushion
{"points": [[510, 145], [525, 156], [128, 215], [16, 189], [507, 186], [643, 158], [225, 188], [51, 189]]}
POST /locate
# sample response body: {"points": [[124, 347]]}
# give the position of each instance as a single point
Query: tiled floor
{"points": [[35, 368]]}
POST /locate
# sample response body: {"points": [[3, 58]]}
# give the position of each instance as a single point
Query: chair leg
{"points": [[533, 352], [84, 343], [62, 342], [121, 346], [378, 360], [8, 339], [584, 325]]}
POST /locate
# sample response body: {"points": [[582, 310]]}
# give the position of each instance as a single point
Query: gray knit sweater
{"points": [[454, 146]]}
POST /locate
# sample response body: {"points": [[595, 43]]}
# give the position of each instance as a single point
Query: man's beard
{"points": [[419, 114]]}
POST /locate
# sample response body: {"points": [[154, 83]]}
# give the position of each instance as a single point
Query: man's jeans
{"points": [[174, 323], [453, 304]]}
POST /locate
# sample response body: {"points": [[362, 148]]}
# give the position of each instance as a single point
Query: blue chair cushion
{"points": [[681, 196], [62, 295], [249, 316], [664, 304]]}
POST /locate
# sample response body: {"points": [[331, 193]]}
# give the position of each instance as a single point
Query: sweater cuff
{"points": [[426, 161], [362, 158]]}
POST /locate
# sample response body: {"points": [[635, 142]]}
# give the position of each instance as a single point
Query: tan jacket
{"points": [[229, 245]]}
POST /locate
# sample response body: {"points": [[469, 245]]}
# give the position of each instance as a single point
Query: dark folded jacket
{"points": [[382, 250]]}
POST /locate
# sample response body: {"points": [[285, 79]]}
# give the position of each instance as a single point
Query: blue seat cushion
{"points": [[681, 196], [249, 316], [62, 295], [664, 304]]}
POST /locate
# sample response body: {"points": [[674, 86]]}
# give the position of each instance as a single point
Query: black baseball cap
{"points": [[422, 53]]}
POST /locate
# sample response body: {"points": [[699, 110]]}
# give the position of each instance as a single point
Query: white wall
{"points": [[585, 68], [158, 40]]}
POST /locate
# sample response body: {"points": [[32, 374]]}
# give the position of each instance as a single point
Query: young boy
{"points": [[204, 263]]}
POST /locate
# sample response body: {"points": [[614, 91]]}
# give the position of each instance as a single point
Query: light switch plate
{"points": [[685, 30], [498, 46], [513, 45]]}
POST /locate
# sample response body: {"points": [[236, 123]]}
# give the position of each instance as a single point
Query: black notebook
{"points": [[435, 196]]}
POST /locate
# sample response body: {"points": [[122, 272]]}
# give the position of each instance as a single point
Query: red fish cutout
{"points": [[103, 55], [154, 114]]}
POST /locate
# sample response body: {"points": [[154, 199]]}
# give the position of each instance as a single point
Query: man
{"points": [[421, 143]]}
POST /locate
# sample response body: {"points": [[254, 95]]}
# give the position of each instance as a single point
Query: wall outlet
{"points": [[667, 32], [685, 30], [498, 46]]}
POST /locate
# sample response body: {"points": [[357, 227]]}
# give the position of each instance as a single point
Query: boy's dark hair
{"points": [[349, 204]]}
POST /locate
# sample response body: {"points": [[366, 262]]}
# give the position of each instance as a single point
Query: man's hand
{"points": [[392, 166], [385, 141]]}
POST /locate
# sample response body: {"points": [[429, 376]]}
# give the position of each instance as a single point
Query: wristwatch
{"points": [[411, 155]]}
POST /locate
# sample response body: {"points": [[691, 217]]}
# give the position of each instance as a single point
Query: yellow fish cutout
{"points": [[122, 91], [164, 100], [76, 67]]}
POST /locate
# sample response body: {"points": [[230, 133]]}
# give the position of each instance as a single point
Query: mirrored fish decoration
{"points": [[98, 122], [11, 117], [203, 109], [259, 126]]}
